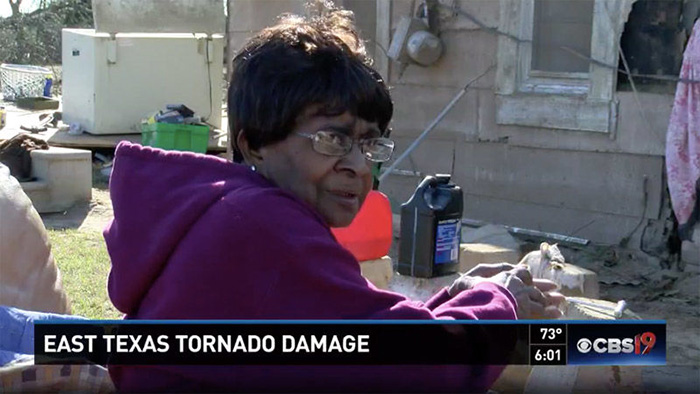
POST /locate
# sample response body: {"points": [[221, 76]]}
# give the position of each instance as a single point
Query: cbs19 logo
{"points": [[616, 345]]}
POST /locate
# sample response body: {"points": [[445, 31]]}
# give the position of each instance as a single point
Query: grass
{"points": [[84, 263]]}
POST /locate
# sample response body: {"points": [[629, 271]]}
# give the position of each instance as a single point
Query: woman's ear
{"points": [[250, 156]]}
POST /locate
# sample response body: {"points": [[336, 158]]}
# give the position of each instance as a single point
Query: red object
{"points": [[368, 237]]}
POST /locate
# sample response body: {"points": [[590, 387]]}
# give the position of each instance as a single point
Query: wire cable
{"points": [[209, 83]]}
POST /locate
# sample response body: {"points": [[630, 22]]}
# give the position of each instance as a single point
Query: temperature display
{"points": [[549, 334]]}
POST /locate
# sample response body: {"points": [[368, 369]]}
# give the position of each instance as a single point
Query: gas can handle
{"points": [[428, 181]]}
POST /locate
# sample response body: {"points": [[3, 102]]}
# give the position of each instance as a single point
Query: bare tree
{"points": [[15, 6]]}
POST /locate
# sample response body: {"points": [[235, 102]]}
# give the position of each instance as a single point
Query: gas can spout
{"points": [[443, 178]]}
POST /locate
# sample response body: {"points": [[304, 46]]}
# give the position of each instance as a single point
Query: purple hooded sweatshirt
{"points": [[197, 237]]}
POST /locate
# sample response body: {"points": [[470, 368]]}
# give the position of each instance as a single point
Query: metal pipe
{"points": [[557, 237], [617, 311], [432, 125], [532, 233], [406, 173]]}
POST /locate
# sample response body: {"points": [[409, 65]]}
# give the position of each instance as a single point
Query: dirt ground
{"points": [[88, 216]]}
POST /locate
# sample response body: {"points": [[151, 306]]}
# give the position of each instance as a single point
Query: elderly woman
{"points": [[197, 237]]}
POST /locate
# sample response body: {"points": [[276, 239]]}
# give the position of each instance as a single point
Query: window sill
{"points": [[557, 112]]}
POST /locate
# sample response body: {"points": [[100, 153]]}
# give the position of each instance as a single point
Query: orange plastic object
{"points": [[368, 237]]}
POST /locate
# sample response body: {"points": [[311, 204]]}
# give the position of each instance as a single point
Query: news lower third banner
{"points": [[351, 342]]}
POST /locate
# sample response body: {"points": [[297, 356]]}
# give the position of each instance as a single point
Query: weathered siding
{"points": [[587, 183], [583, 183]]}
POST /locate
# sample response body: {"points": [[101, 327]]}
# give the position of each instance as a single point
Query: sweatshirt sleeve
{"points": [[275, 259], [326, 283], [322, 280]]}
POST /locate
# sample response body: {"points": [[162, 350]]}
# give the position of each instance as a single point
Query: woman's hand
{"points": [[535, 297], [476, 275]]}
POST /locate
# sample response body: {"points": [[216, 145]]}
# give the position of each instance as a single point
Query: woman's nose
{"points": [[355, 161]]}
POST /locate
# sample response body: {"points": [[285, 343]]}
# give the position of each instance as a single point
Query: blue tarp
{"points": [[17, 331]]}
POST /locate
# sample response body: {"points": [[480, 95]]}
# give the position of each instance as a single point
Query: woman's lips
{"points": [[346, 198]]}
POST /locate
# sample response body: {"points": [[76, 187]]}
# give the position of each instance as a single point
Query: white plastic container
{"points": [[112, 82]]}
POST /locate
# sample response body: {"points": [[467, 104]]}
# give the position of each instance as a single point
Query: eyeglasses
{"points": [[334, 143]]}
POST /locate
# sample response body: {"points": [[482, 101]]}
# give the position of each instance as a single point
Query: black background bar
{"points": [[389, 344]]}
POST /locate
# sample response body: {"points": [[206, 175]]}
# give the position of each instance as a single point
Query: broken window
{"points": [[653, 41]]}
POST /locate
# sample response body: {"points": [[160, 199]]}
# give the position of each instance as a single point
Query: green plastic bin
{"points": [[171, 136]]}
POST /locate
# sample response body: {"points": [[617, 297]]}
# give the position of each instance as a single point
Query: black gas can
{"points": [[431, 229]]}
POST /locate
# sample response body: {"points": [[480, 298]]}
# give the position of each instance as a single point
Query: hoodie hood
{"points": [[157, 196]]}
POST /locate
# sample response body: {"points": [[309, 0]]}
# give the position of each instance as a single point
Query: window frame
{"points": [[568, 101]]}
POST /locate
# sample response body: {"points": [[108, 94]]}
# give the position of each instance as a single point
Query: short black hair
{"points": [[297, 63]]}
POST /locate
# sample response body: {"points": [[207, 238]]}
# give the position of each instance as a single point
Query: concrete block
{"points": [[39, 193], [470, 255], [64, 177], [379, 271], [574, 281]]}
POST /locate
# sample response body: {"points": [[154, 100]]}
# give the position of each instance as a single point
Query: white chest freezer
{"points": [[112, 82]]}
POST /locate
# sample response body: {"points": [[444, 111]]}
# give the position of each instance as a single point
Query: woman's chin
{"points": [[340, 220]]}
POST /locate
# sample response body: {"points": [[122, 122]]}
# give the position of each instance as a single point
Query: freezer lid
{"points": [[162, 16]]}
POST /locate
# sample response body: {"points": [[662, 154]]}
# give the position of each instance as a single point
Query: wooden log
{"points": [[420, 289], [472, 254]]}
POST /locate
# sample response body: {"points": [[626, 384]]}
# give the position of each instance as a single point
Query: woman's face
{"points": [[335, 186]]}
